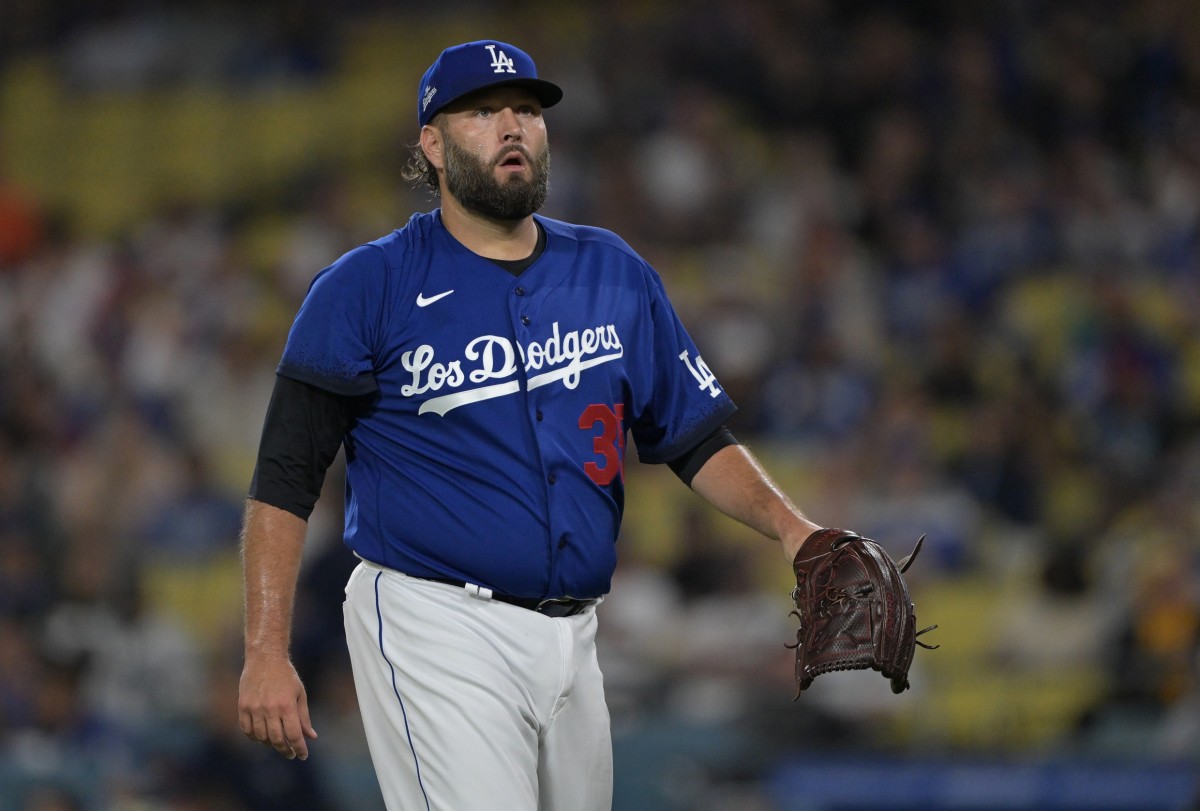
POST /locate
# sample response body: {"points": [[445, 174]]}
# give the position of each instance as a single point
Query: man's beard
{"points": [[474, 185]]}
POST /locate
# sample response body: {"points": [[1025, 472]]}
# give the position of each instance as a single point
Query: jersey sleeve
{"points": [[685, 402], [332, 342]]}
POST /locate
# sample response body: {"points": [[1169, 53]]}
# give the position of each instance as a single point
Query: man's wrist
{"points": [[267, 650]]}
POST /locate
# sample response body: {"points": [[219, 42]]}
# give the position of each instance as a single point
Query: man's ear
{"points": [[431, 144]]}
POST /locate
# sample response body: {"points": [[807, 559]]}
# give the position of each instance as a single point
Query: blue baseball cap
{"points": [[472, 66]]}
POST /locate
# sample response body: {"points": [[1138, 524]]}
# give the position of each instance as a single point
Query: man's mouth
{"points": [[513, 160]]}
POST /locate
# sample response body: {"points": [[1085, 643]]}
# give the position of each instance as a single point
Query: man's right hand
{"points": [[273, 706]]}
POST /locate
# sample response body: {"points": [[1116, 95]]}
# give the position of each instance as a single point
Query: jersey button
{"points": [[525, 320], [562, 542], [552, 478], [520, 291], [540, 415]]}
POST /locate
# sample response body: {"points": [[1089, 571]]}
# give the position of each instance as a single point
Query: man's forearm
{"points": [[272, 547], [736, 484]]}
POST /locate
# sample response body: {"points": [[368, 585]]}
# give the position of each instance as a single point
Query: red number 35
{"points": [[609, 445]]}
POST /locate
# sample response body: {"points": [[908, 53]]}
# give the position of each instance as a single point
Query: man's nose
{"points": [[510, 125]]}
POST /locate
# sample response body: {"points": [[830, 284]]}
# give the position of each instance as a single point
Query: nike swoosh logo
{"points": [[425, 302]]}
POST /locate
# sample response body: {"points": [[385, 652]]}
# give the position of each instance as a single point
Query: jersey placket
{"points": [[523, 313]]}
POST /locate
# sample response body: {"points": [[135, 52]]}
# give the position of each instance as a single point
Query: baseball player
{"points": [[483, 367]]}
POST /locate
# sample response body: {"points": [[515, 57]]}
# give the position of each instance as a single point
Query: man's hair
{"points": [[419, 171]]}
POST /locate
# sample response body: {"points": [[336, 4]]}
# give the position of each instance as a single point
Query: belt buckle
{"points": [[569, 606]]}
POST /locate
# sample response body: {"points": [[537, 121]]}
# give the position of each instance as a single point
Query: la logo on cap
{"points": [[473, 66], [500, 61]]}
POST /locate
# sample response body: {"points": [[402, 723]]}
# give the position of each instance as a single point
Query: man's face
{"points": [[496, 154]]}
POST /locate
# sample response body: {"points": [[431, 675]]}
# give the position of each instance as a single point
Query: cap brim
{"points": [[548, 93]]}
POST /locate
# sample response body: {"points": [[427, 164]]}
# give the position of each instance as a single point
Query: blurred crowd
{"points": [[945, 257]]}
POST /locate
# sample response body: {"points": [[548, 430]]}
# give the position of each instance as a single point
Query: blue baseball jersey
{"points": [[492, 442]]}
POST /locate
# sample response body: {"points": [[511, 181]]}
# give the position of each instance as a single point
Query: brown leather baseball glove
{"points": [[854, 608]]}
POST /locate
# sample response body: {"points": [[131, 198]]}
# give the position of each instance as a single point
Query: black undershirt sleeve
{"points": [[688, 464], [302, 433]]}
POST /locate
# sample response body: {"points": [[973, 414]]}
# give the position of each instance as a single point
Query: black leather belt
{"points": [[548, 606]]}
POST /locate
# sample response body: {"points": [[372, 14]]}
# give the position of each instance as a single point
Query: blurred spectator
{"points": [[18, 675], [638, 637], [199, 520], [907, 494], [1158, 645], [1061, 620], [21, 223], [26, 586], [62, 741]]}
